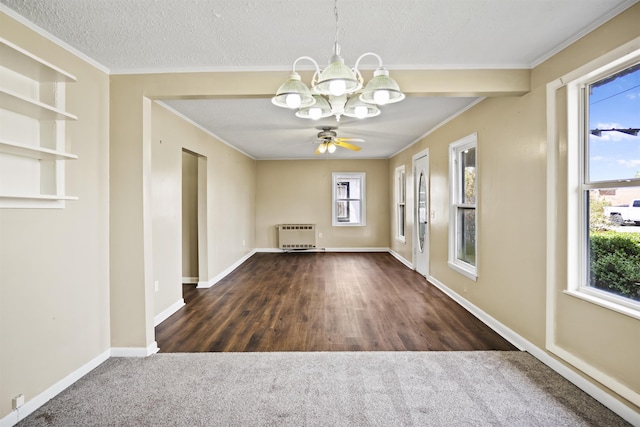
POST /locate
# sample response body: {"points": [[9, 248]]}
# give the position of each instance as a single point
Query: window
{"points": [[604, 165], [400, 199], [348, 198], [463, 206]]}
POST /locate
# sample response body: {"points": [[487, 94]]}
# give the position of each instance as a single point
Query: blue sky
{"points": [[615, 104]]}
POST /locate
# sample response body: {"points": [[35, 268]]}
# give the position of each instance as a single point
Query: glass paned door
{"points": [[422, 210]]}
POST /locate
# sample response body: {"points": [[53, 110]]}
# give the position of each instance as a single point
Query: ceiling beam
{"points": [[263, 84]]}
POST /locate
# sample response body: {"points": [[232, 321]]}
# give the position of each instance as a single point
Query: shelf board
{"points": [[37, 197], [35, 201], [33, 152], [28, 107], [23, 62]]}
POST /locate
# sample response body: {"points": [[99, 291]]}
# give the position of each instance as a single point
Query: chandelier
{"points": [[338, 90]]}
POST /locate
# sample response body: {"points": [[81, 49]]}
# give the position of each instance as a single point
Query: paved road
{"points": [[628, 229]]}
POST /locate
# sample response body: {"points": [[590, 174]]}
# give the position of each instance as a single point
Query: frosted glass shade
{"points": [[287, 94], [358, 109], [337, 79], [319, 110], [381, 89]]}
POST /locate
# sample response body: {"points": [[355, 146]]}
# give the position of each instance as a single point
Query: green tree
{"points": [[597, 219], [615, 263]]}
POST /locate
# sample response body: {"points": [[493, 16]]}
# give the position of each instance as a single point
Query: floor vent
{"points": [[296, 236]]}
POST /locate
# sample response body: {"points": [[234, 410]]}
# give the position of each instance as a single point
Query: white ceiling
{"points": [[133, 36]]}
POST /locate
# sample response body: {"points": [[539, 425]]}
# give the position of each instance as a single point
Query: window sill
{"points": [[401, 239], [607, 301], [465, 271]]}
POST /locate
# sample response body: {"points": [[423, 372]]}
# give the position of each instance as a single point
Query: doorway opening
{"points": [[190, 273]]}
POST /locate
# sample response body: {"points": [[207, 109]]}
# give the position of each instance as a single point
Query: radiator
{"points": [[296, 236]]}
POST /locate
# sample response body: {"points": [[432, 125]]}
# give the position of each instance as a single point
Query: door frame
{"points": [[415, 178]]}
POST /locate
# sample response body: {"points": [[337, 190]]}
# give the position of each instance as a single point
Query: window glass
{"points": [[422, 210], [612, 211], [467, 235], [464, 199], [614, 241], [468, 179], [348, 198], [614, 119], [400, 197]]}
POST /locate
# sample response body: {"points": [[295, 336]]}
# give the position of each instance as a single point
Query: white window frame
{"points": [[455, 187], [401, 203], [577, 136], [335, 177]]}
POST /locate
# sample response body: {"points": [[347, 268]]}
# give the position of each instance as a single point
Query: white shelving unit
{"points": [[32, 130]]}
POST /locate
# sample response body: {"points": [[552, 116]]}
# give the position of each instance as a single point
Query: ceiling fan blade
{"points": [[350, 139], [346, 145]]}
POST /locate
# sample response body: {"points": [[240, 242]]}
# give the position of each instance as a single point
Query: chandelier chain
{"points": [[335, 12]]}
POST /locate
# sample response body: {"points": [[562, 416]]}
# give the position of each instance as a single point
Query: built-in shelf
{"points": [[34, 91], [30, 66], [28, 107], [37, 197], [33, 152]]}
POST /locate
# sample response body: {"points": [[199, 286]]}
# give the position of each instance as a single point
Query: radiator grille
{"points": [[296, 236]]}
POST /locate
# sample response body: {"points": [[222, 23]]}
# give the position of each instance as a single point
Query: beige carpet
{"points": [[324, 389]]}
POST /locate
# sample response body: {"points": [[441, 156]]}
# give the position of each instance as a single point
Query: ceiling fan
{"points": [[328, 140]]}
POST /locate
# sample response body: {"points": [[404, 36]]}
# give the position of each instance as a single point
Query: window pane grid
{"points": [[610, 185], [463, 213], [348, 198]]}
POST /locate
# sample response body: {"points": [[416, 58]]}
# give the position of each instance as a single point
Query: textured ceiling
{"points": [[131, 36], [291, 137]]}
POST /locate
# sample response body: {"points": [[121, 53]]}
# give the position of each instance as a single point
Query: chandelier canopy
{"points": [[338, 90]]}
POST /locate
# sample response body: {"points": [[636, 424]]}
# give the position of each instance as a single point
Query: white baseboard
{"points": [[278, 250], [357, 249], [190, 280], [164, 315], [33, 404], [399, 257], [615, 405], [135, 351], [226, 272]]}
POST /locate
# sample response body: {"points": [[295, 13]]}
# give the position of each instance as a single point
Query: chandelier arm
{"points": [[366, 54], [310, 59]]}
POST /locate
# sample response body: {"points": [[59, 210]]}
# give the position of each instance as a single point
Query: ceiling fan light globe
{"points": [[323, 148], [331, 148]]}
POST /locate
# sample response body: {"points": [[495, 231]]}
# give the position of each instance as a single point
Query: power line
{"points": [[615, 94]]}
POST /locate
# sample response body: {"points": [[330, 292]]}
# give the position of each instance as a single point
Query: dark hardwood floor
{"points": [[323, 302]]}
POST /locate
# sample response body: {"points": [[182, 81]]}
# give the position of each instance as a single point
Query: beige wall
{"points": [[54, 264], [300, 192], [230, 198], [77, 281], [512, 211]]}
